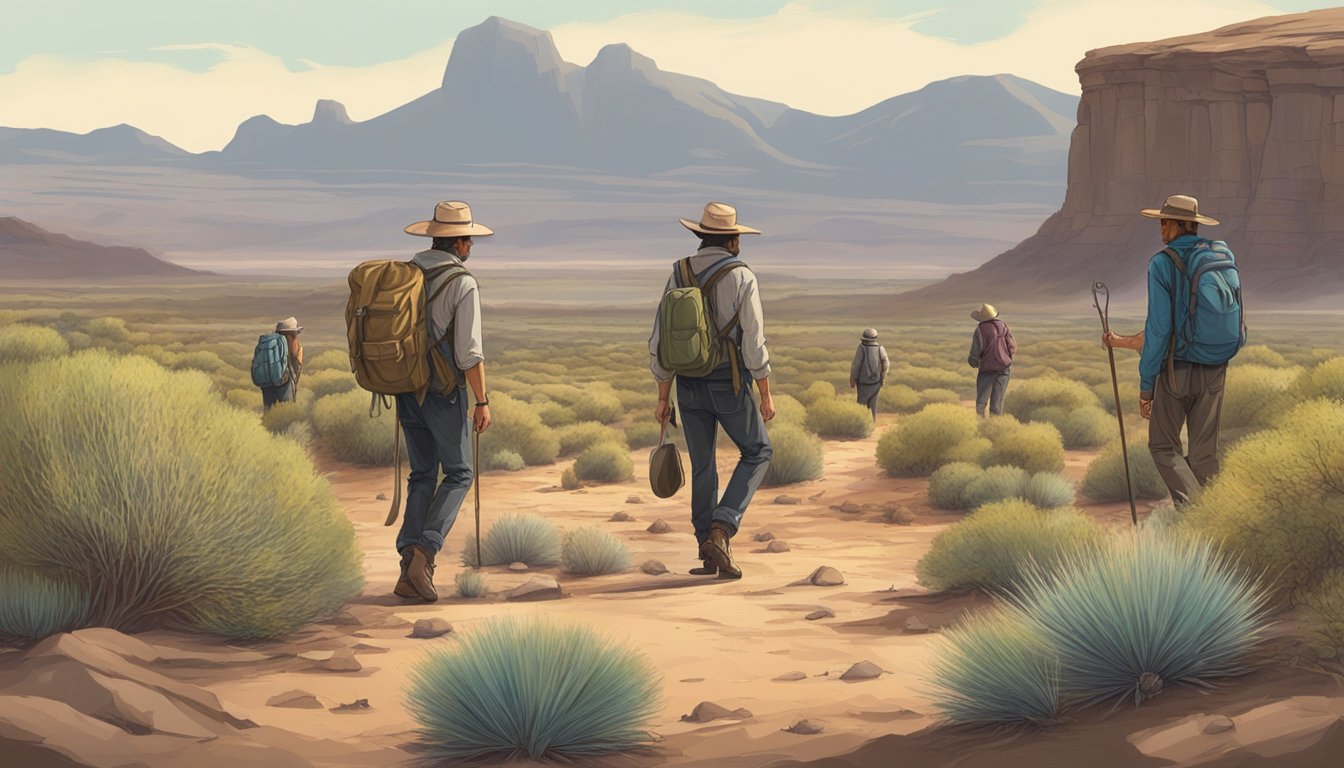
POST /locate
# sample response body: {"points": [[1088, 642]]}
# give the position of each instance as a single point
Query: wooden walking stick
{"points": [[1099, 290], [476, 487]]}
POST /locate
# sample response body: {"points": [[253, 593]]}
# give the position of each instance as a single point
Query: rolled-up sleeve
{"points": [[658, 372], [755, 356], [468, 349]]}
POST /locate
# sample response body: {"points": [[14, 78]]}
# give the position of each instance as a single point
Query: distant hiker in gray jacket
{"points": [[869, 370], [992, 350]]}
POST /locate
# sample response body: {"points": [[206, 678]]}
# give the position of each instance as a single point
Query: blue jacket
{"points": [[1162, 276]]}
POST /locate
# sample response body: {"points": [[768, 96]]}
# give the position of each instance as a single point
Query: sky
{"points": [[192, 71]]}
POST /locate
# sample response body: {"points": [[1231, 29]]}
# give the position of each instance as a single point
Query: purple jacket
{"points": [[992, 347]]}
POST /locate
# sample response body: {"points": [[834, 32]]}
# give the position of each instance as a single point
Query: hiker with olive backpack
{"points": [[709, 334], [1195, 326], [414, 330]]}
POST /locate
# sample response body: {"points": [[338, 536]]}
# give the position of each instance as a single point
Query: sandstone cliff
{"points": [[1248, 118]]}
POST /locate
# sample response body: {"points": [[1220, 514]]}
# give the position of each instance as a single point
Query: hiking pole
{"points": [[1099, 289], [476, 487]]}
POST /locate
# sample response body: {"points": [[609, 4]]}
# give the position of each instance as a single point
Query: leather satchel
{"points": [[665, 471]]}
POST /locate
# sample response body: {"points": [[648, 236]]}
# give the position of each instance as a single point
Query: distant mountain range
{"points": [[507, 100], [29, 252]]}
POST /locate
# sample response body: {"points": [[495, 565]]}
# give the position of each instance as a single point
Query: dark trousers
{"points": [[1195, 402], [990, 387], [281, 394], [438, 437], [705, 405], [868, 396]]}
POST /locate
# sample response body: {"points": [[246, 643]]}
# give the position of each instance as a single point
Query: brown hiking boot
{"points": [[404, 587], [420, 573], [718, 551], [706, 568]]}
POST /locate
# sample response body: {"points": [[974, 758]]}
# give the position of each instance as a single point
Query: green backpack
{"points": [[689, 344]]}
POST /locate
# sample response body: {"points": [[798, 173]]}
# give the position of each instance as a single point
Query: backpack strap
{"points": [[720, 269], [450, 273], [685, 276], [1179, 262]]}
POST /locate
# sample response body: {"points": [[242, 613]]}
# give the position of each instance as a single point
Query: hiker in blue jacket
{"points": [[1194, 327]]}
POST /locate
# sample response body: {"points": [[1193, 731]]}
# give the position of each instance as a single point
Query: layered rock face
{"points": [[1248, 118]]}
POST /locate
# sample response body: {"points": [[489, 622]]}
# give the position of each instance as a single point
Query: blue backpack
{"points": [[270, 361], [1214, 329]]}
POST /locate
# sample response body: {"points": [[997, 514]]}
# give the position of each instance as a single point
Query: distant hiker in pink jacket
{"points": [[992, 350]]}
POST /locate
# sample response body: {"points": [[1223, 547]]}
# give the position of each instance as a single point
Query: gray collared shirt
{"points": [[737, 293], [460, 302]]}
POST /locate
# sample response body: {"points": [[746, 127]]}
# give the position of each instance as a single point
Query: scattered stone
{"points": [[622, 517], [849, 508], [789, 500], [380, 497], [694, 680], [294, 699], [1149, 685], [708, 711], [897, 514], [536, 588], [826, 576], [914, 626], [341, 660], [791, 677], [763, 536], [777, 546], [1219, 724], [660, 526], [358, 705], [426, 629], [653, 568], [821, 613], [804, 728], [633, 500], [518, 567], [816, 496], [368, 648], [864, 670]]}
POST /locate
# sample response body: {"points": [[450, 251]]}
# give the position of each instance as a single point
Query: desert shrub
{"points": [[1261, 355], [33, 607], [591, 551], [327, 381], [949, 483], [569, 480], [153, 481], [835, 417], [996, 484], [282, 415], [818, 390], [598, 405], [796, 458], [246, 399], [1323, 612], [551, 691], [107, 329], [577, 438], [1277, 503], [1145, 604], [1089, 375], [25, 343], [555, 414], [1030, 395], [994, 547], [1036, 447], [518, 428], [514, 538], [898, 398], [301, 432], [1105, 478], [1255, 395], [346, 432], [604, 463], [642, 434], [199, 360], [1049, 490], [938, 395], [788, 410], [1129, 396], [920, 378], [79, 340], [924, 441], [506, 460], [1325, 380], [1087, 427], [330, 360], [996, 668], [470, 584]]}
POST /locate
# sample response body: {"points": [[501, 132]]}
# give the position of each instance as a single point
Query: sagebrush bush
{"points": [[1035, 447], [577, 438], [199, 360], [556, 415], [515, 538], [33, 606], [1086, 427], [817, 390], [924, 441], [949, 483], [346, 432], [1033, 394], [25, 343], [788, 410], [837, 417], [1255, 395], [152, 481], [642, 434], [995, 484], [327, 381], [329, 360], [938, 395], [924, 378], [591, 551], [1129, 396], [992, 548], [1259, 355], [600, 405], [1324, 381], [470, 584], [283, 415], [605, 463], [996, 668], [506, 460], [569, 480], [301, 433], [107, 329], [797, 455], [1105, 478], [245, 399], [1323, 612], [517, 427], [898, 398], [532, 688], [1049, 490]]}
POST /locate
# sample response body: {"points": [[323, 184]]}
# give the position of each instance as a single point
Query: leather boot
{"points": [[707, 568], [420, 573], [717, 550], [404, 587]]}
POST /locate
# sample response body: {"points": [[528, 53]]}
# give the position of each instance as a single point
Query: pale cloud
{"points": [[830, 62]]}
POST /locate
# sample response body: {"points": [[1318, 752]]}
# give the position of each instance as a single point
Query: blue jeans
{"points": [[438, 436], [705, 405], [990, 387], [281, 394]]}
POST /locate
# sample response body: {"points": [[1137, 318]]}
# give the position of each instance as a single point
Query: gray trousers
{"points": [[706, 404], [281, 394], [868, 396], [990, 387], [1196, 402], [438, 437]]}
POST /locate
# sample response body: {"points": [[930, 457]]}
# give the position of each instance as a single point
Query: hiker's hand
{"points": [[1110, 340], [853, 383], [767, 408], [1145, 408], [481, 418], [662, 412]]}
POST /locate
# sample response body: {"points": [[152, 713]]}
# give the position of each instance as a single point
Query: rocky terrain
{"points": [[29, 252]]}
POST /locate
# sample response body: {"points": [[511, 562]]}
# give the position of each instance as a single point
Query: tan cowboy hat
{"points": [[288, 325], [452, 218], [985, 312], [718, 219], [1180, 208]]}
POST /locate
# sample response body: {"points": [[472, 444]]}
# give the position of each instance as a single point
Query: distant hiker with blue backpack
{"points": [[277, 362], [709, 334], [1195, 326]]}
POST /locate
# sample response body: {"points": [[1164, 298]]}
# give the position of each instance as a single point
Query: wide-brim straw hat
{"points": [[985, 312], [288, 325], [718, 219], [1180, 208], [452, 218]]}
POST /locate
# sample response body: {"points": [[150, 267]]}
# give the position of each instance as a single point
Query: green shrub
{"points": [[1087, 427], [1105, 478], [949, 483], [199, 360], [79, 340], [1255, 396], [993, 548], [591, 551], [246, 399], [1129, 396], [505, 460], [996, 668], [515, 538], [835, 417], [556, 415], [898, 398], [789, 411], [470, 584], [1323, 617], [534, 689], [330, 360], [604, 463], [577, 438], [818, 390], [1325, 380], [327, 381], [938, 395], [642, 434], [931, 378], [1260, 355], [301, 433], [1033, 394], [996, 484], [518, 428], [924, 441], [152, 481], [25, 343], [1035, 447], [282, 415], [569, 480], [598, 405], [797, 455], [107, 329], [345, 431], [1049, 490], [33, 607]]}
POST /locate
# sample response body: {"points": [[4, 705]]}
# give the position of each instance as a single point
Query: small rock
{"points": [[1149, 685], [426, 629], [897, 514], [358, 705], [342, 660], [633, 500], [708, 711], [653, 568], [660, 526], [295, 699], [763, 536], [536, 588], [791, 677], [816, 496], [777, 546], [1219, 724], [849, 508], [380, 497], [804, 728], [518, 567], [864, 670], [913, 626], [821, 613], [826, 576], [694, 680], [368, 648], [789, 500], [621, 517]]}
